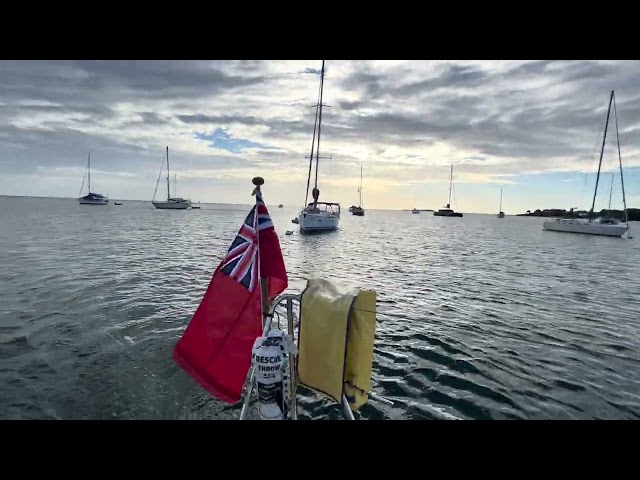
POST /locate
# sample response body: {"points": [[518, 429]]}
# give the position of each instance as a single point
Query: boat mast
{"points": [[168, 191], [319, 128], [450, 181], [500, 199], [604, 138], [624, 200], [313, 141], [89, 168]]}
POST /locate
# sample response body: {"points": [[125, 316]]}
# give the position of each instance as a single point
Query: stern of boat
{"points": [[324, 318], [313, 222]]}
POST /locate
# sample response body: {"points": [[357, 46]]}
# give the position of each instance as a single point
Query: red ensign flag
{"points": [[215, 349]]}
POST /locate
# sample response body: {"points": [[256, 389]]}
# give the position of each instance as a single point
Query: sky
{"points": [[531, 128]]}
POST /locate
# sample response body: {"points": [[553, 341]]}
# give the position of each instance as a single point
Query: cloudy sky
{"points": [[532, 128]]}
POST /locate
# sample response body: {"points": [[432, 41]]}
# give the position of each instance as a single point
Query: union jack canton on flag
{"points": [[240, 261]]}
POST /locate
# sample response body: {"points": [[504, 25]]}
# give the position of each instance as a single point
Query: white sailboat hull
{"points": [[316, 222], [589, 228], [171, 205]]}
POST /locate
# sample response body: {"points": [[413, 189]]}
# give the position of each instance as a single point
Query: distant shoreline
{"points": [[634, 213]]}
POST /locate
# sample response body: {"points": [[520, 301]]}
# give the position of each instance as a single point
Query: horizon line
{"points": [[276, 205]]}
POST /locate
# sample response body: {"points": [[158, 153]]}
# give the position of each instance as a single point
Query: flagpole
{"points": [[264, 286], [264, 297]]}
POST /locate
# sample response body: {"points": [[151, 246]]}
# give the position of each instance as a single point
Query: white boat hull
{"points": [[171, 205], [317, 222], [592, 228]]}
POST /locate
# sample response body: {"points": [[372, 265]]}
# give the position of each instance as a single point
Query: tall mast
{"points": [[313, 141], [450, 181], [319, 123], [604, 138], [168, 191], [500, 199], [89, 168]]}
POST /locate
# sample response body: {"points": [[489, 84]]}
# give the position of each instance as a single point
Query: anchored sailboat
{"points": [[318, 216], [359, 211], [447, 211], [91, 198], [601, 225], [172, 203], [501, 213]]}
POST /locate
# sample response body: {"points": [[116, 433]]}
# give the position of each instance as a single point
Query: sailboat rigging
{"points": [[604, 224], [613, 176], [91, 198], [312, 217], [500, 213], [172, 203]]}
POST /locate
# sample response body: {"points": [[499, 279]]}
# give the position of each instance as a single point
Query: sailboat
{"points": [[501, 213], [91, 198], [359, 211], [602, 225], [447, 211], [172, 203], [318, 216]]}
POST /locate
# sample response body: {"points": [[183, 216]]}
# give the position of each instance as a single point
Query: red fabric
{"points": [[272, 264], [215, 349]]}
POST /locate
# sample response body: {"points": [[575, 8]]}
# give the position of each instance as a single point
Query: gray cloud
{"points": [[79, 81], [495, 118], [489, 112]]}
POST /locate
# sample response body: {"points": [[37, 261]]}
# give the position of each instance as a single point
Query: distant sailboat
{"points": [[447, 211], [415, 211], [501, 213], [172, 203], [359, 211], [91, 198]]}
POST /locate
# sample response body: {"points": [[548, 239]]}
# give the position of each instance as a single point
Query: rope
{"points": [[158, 181], [85, 176], [624, 200]]}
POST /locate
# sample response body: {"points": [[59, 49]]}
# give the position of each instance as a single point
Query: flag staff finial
{"points": [[258, 182]]}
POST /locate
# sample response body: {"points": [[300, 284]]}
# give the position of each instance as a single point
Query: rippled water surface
{"points": [[478, 317]]}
